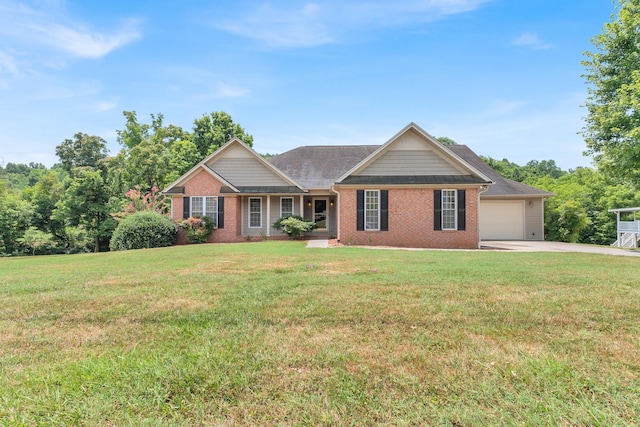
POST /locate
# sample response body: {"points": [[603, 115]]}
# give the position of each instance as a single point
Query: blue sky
{"points": [[501, 76]]}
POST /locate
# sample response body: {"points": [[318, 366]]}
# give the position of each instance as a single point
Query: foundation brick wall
{"points": [[410, 221]]}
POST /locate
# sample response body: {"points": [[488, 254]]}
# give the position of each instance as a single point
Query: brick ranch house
{"points": [[411, 191]]}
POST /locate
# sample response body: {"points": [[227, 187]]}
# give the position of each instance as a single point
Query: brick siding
{"points": [[203, 184], [410, 221]]}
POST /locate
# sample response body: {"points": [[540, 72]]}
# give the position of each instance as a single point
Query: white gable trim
{"points": [[436, 146]]}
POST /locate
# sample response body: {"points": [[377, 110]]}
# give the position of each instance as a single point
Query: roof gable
{"points": [[413, 152], [236, 166]]}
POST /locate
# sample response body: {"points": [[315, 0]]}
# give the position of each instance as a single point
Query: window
{"points": [[372, 210], [286, 206], [202, 206], [255, 212], [449, 209]]}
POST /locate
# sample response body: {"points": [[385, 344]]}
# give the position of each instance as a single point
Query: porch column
{"points": [[618, 233], [268, 215], [302, 206]]}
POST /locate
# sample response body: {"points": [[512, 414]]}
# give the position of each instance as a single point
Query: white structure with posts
{"points": [[628, 227]]}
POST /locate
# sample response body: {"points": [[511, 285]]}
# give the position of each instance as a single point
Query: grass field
{"points": [[271, 333]]}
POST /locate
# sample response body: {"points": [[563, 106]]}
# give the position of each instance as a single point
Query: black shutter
{"points": [[360, 210], [220, 212], [186, 205], [384, 210], [462, 209], [437, 209]]}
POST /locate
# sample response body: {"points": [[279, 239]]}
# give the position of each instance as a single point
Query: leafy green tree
{"points": [[15, 218], [82, 151], [86, 203], [527, 173], [34, 240], [145, 159], [587, 193], [446, 140], [213, 130], [612, 130], [536, 168], [19, 176], [43, 196], [184, 156]]}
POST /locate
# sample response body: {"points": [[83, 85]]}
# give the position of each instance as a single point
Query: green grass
{"points": [[272, 333]]}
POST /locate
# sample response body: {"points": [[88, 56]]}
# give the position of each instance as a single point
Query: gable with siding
{"points": [[240, 167], [410, 154]]}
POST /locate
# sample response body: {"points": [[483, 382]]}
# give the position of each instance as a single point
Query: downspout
{"points": [[337, 211], [481, 190]]}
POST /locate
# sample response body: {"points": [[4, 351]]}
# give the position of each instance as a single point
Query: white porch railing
{"points": [[629, 226], [628, 234]]}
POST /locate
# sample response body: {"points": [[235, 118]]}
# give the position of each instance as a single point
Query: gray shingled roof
{"points": [[263, 190], [502, 186], [320, 166], [412, 179]]}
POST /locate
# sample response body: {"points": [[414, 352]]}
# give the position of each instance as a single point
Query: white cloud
{"points": [[224, 90], [8, 63], [304, 26], [102, 106], [85, 43], [38, 28], [532, 41], [290, 24]]}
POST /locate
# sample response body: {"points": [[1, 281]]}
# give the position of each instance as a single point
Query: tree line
{"points": [[74, 205]]}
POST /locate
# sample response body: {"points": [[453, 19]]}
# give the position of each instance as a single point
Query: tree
{"points": [[446, 140], [612, 129], [43, 196], [145, 159], [15, 217], [34, 239], [579, 211], [213, 130], [184, 156], [86, 203], [82, 151]]}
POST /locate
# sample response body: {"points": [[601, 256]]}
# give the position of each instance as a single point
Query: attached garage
{"points": [[502, 220]]}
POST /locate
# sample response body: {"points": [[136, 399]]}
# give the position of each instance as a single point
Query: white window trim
{"points": [[249, 209], [365, 210], [293, 210], [455, 209], [213, 215]]}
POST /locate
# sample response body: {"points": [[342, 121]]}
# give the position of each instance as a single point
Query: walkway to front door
{"points": [[318, 243]]}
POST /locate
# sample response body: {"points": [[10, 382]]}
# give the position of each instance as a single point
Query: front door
{"points": [[320, 214]]}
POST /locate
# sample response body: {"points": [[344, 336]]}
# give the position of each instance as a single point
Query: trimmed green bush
{"points": [[294, 226], [146, 229]]}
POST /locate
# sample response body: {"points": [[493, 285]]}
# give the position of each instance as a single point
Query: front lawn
{"points": [[271, 333]]}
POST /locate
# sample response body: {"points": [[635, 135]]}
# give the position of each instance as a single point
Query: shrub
{"points": [[294, 226], [197, 229], [145, 229]]}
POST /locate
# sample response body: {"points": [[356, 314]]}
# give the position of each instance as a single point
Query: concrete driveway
{"points": [[532, 246]]}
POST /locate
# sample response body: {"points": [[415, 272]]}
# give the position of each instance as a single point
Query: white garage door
{"points": [[501, 220]]}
